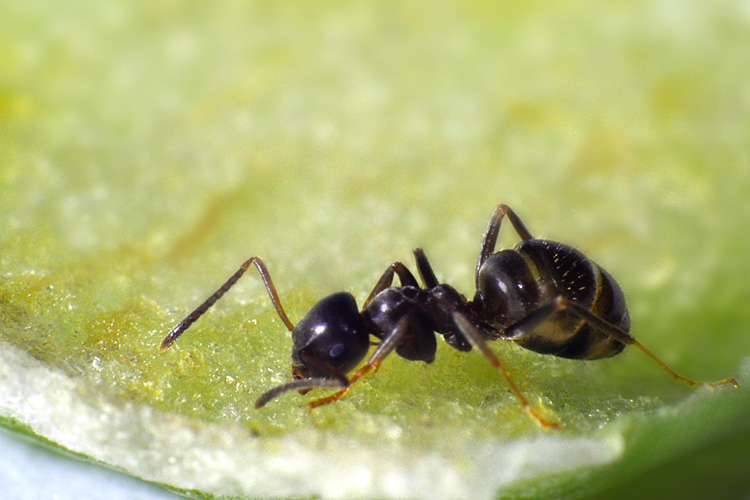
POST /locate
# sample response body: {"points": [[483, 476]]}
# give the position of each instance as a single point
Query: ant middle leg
{"points": [[201, 309], [425, 269], [493, 230], [476, 339]]}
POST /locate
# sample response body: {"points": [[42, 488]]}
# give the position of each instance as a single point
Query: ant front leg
{"points": [[385, 348], [493, 230], [326, 376], [386, 280]]}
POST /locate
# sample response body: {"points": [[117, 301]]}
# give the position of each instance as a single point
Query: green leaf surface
{"points": [[147, 150]]}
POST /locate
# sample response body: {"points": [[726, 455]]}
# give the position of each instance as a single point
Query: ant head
{"points": [[330, 340]]}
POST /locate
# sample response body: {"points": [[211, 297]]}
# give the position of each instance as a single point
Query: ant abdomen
{"points": [[508, 290], [517, 285]]}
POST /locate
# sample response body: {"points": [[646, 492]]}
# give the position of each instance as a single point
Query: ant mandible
{"points": [[545, 296]]}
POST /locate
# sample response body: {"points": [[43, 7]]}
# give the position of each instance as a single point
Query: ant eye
{"points": [[337, 350]]}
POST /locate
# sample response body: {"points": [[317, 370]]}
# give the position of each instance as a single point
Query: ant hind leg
{"points": [[624, 337], [542, 314], [493, 230]]}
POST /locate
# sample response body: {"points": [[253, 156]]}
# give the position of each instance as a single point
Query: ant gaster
{"points": [[544, 296]]}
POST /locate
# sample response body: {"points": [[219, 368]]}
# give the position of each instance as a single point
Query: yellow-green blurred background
{"points": [[147, 149]]}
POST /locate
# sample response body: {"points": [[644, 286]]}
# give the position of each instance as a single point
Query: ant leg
{"points": [[493, 229], [624, 337], [201, 309], [476, 339], [543, 313], [386, 347], [425, 269], [334, 379], [386, 280]]}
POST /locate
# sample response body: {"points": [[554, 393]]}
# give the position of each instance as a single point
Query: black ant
{"points": [[542, 295]]}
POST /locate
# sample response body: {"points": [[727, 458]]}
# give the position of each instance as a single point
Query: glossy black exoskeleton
{"points": [[544, 296]]}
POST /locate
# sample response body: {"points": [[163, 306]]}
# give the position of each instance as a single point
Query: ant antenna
{"points": [[201, 309], [305, 383]]}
